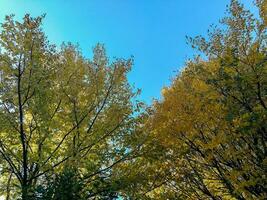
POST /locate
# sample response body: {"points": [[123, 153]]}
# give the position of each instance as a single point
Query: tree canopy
{"points": [[60, 109], [72, 127], [211, 123]]}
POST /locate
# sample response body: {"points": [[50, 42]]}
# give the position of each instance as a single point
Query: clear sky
{"points": [[153, 31]]}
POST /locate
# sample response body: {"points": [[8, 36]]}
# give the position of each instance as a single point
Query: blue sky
{"points": [[153, 31]]}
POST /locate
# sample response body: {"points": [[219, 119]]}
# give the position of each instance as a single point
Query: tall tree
{"points": [[58, 108], [211, 123]]}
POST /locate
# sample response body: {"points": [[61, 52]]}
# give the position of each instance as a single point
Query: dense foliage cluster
{"points": [[71, 127], [212, 121]]}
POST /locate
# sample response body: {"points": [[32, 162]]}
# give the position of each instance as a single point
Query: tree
{"points": [[58, 109], [211, 123]]}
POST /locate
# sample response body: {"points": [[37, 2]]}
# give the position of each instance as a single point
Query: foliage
{"points": [[71, 127], [211, 123], [58, 108], [66, 185]]}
